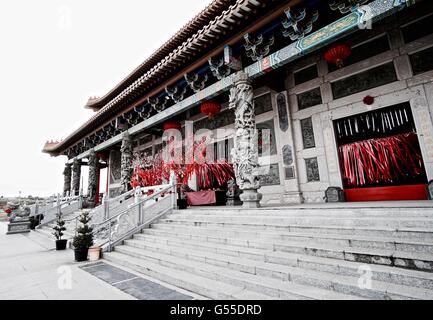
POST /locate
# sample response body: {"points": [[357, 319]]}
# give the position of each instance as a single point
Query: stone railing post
{"points": [[245, 153]]}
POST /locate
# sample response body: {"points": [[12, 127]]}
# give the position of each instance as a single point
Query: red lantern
{"points": [[337, 54], [172, 125], [210, 109]]}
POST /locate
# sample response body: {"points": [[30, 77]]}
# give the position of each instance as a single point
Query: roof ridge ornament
{"points": [[299, 23], [258, 47]]}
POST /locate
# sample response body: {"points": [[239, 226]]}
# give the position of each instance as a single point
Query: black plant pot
{"points": [[81, 254], [61, 244], [182, 204]]}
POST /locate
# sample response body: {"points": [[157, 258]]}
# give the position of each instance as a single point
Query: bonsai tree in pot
{"points": [[83, 239], [59, 228]]}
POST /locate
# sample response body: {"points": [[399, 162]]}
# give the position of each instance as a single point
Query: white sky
{"points": [[54, 55]]}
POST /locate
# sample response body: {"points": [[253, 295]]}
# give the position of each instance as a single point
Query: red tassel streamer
{"points": [[385, 160]]}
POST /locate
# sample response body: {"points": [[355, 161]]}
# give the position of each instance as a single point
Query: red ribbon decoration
{"points": [[384, 160]]}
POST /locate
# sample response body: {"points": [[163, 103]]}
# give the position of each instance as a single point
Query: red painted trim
{"points": [[394, 193]]}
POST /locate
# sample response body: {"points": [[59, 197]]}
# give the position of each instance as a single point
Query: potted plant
{"points": [[59, 228], [83, 239]]}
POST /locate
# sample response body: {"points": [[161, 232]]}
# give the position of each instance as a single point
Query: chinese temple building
{"points": [[334, 94]]}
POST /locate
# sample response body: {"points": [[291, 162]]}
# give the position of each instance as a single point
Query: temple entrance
{"points": [[380, 156]]}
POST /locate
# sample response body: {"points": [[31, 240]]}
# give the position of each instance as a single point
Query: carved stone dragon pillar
{"points": [[93, 176], [245, 153], [76, 170], [126, 163], [67, 173]]}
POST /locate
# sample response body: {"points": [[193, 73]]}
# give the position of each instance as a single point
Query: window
{"points": [[369, 79], [364, 51], [146, 140], [312, 167], [309, 99], [422, 61], [263, 104], [222, 119], [308, 133], [418, 29], [267, 144], [306, 74]]}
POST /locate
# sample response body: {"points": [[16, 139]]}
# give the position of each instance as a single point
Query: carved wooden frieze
{"points": [[176, 93], [219, 68], [299, 23], [158, 104], [258, 47], [345, 6], [143, 111], [196, 82]]}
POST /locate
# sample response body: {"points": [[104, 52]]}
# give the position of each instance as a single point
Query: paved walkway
{"points": [[30, 269]]}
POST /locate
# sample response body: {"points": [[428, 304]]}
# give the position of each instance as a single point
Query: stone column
{"points": [[126, 163], [245, 153], [68, 178], [93, 177], [76, 170]]}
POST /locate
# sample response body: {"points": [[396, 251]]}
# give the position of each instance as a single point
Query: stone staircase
{"points": [[305, 252]]}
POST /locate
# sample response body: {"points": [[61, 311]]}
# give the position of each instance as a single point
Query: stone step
{"points": [[284, 222], [382, 273], [388, 243], [244, 271], [325, 213], [197, 284], [402, 233], [163, 267], [412, 260]]}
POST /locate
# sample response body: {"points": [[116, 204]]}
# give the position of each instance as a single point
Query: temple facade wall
{"points": [[303, 159]]}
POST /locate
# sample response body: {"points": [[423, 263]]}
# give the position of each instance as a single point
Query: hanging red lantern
{"points": [[172, 125], [210, 109], [337, 54]]}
